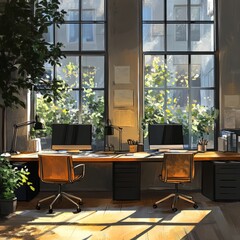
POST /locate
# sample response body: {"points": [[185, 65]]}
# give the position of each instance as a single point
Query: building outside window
{"points": [[179, 66], [83, 35]]}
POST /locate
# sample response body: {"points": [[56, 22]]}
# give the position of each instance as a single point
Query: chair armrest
{"points": [[83, 169]]}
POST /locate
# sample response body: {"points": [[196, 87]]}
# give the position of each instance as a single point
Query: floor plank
{"points": [[102, 218]]}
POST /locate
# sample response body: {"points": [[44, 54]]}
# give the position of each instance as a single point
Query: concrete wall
{"points": [[229, 63]]}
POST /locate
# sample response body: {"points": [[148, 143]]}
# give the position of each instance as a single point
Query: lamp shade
{"points": [[37, 126], [109, 130]]}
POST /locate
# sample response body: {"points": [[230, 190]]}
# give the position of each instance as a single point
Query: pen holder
{"points": [[132, 148], [140, 147], [202, 147]]}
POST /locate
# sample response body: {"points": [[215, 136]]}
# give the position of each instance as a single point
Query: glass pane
{"points": [[153, 10], [177, 10], [68, 34], [203, 116], [202, 70], [154, 105], [177, 99], [93, 10], [48, 71], [74, 95], [69, 71], [202, 37], [153, 37], [155, 72], [177, 36], [178, 71], [92, 71], [72, 9], [92, 111], [202, 10], [203, 97], [93, 37], [49, 35]]}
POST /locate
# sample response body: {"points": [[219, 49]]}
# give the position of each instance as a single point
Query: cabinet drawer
{"points": [[126, 167], [223, 183], [227, 168], [227, 177]]}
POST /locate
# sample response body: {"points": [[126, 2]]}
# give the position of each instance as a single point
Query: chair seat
{"points": [[176, 169], [59, 169]]}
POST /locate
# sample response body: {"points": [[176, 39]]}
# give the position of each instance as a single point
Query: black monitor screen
{"points": [[71, 137], [165, 136]]}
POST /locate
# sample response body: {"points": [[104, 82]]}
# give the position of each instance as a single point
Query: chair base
{"points": [[175, 197], [57, 196]]}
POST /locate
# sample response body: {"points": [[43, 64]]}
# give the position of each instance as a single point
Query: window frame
{"points": [[187, 52]]}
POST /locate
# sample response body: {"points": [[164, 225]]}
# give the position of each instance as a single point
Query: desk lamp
{"points": [[109, 130], [38, 126]]}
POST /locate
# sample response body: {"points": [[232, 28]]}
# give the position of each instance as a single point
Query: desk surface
{"points": [[136, 157]]}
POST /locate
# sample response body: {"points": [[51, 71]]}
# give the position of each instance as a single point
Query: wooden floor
{"points": [[102, 218]]}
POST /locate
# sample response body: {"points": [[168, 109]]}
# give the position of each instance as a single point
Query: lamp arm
{"points": [[15, 129], [24, 124]]}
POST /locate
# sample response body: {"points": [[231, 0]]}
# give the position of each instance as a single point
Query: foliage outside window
{"points": [[65, 110], [161, 106]]}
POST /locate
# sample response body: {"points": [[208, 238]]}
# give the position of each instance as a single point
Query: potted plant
{"points": [[11, 178]]}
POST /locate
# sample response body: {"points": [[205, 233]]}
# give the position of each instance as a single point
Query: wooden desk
{"points": [[126, 169], [137, 157]]}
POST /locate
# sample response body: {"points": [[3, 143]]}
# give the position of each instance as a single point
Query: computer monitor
{"points": [[71, 137], [165, 136]]}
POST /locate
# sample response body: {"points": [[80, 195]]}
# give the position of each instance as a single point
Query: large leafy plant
{"points": [[24, 52], [12, 178]]}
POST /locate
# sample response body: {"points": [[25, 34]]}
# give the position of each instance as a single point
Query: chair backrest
{"points": [[178, 167], [56, 168]]}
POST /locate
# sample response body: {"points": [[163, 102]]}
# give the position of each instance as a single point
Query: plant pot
{"points": [[8, 206]]}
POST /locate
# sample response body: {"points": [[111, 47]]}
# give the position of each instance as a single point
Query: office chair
{"points": [[59, 169], [177, 168]]}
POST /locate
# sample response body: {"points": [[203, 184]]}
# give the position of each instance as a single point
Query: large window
{"points": [[83, 35], [178, 38]]}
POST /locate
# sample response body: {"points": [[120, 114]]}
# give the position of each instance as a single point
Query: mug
{"points": [[34, 145]]}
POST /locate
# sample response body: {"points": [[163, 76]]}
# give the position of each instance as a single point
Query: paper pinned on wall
{"points": [[124, 118], [121, 74], [123, 98], [231, 101], [229, 119]]}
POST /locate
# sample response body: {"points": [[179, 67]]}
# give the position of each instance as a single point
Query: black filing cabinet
{"points": [[126, 180], [221, 180], [24, 193]]}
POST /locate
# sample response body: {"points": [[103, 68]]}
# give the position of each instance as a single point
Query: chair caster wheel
{"points": [[195, 206], [78, 209], [154, 205], [174, 209], [50, 211], [38, 207]]}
